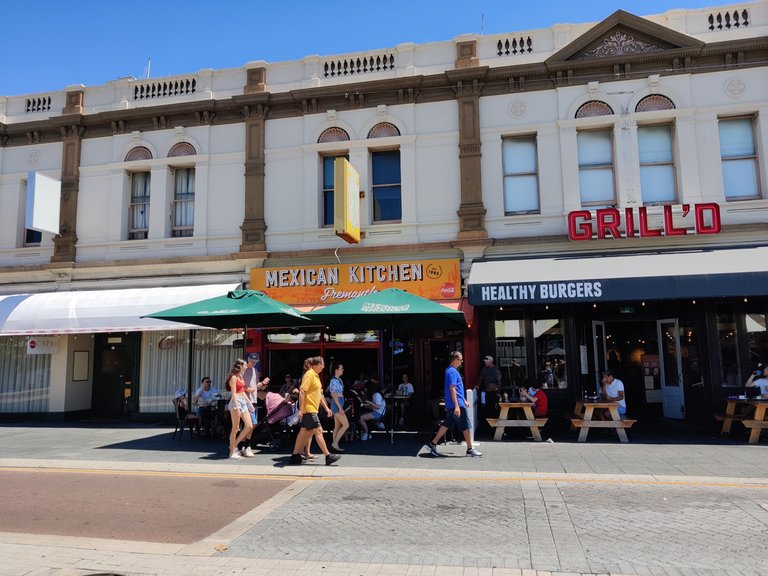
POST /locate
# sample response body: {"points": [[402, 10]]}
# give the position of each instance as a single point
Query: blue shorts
{"points": [[452, 421], [621, 410], [377, 415], [238, 403]]}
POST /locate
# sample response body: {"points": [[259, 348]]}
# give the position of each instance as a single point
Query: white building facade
{"points": [[603, 187]]}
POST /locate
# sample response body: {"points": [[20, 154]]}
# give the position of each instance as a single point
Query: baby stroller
{"points": [[277, 424]]}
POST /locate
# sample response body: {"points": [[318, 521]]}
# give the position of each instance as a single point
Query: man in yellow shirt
{"points": [[310, 399]]}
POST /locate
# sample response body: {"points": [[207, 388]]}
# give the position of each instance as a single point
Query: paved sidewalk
{"points": [[640, 509], [151, 448]]}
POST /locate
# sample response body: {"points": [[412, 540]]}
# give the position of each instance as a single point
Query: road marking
{"points": [[472, 479]]}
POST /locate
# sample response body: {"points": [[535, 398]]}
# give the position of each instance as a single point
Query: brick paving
{"points": [[688, 507]]}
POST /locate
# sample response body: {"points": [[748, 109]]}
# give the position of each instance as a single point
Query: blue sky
{"points": [[49, 44]]}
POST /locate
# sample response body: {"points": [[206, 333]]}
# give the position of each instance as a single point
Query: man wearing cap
{"points": [[490, 387], [252, 386]]}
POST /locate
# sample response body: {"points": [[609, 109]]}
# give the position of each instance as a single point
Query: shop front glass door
{"points": [[601, 350], [671, 368]]}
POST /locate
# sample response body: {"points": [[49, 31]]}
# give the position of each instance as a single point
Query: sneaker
{"points": [[331, 458], [247, 452], [381, 426], [296, 459], [432, 448], [235, 455], [365, 436], [474, 453]]}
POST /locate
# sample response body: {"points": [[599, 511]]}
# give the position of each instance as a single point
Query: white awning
{"points": [[99, 310], [702, 273]]}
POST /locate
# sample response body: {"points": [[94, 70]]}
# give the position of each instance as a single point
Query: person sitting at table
{"points": [[404, 393], [377, 406], [289, 391], [613, 391], [205, 394], [536, 396], [759, 379]]}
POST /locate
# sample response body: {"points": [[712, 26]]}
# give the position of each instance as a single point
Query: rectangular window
{"points": [[183, 202], [657, 166], [729, 364], [596, 180], [737, 150], [138, 210], [549, 344], [327, 190], [757, 338], [387, 204], [521, 175], [511, 349]]}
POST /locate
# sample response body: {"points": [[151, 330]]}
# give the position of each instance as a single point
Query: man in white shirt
{"points": [[403, 395], [613, 391], [759, 379]]}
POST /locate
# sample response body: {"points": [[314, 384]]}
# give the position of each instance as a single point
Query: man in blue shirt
{"points": [[455, 408]]}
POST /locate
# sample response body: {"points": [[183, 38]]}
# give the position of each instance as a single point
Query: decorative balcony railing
{"points": [[359, 65], [38, 104], [515, 47], [728, 20], [164, 88]]}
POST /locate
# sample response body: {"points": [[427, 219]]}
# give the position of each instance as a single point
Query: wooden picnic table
{"points": [[584, 411], [529, 420], [730, 415], [758, 423]]}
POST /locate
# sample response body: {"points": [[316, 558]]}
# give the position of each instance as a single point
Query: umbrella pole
{"points": [[245, 342], [392, 381], [190, 360]]}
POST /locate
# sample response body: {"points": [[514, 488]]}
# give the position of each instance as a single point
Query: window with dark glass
{"points": [[327, 191], [386, 185], [138, 210], [183, 202]]}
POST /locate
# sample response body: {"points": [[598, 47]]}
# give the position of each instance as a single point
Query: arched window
{"points": [[383, 130], [654, 102], [138, 153], [333, 134], [182, 149], [593, 108]]}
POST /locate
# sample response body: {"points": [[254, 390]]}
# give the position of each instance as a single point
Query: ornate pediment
{"points": [[622, 35], [619, 43]]}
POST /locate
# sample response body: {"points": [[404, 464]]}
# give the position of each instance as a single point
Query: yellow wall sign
{"points": [[346, 201], [330, 283]]}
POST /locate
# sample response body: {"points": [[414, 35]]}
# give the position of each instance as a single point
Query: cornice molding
{"points": [[449, 85]]}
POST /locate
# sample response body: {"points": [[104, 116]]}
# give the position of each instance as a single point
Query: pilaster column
{"points": [[64, 243], [471, 210], [254, 226]]}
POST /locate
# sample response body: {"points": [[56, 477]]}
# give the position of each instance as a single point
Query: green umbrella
{"points": [[237, 309], [389, 308]]}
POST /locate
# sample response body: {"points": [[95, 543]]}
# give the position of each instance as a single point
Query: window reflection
{"points": [[726, 332], [549, 345]]}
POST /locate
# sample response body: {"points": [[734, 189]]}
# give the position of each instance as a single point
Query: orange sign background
{"points": [[330, 283]]}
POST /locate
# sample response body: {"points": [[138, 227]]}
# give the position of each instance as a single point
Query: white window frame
{"points": [[661, 163], [725, 160], [135, 233], [611, 166], [511, 175], [183, 230]]}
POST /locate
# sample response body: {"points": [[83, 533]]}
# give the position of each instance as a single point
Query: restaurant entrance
{"points": [[114, 377], [657, 359]]}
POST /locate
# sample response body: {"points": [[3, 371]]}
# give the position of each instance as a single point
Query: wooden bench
{"points": [[758, 424], [730, 415], [529, 421]]}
